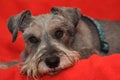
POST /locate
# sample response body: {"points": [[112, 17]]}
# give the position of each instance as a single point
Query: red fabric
{"points": [[94, 68]]}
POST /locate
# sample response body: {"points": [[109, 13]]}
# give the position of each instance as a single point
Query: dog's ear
{"points": [[72, 14], [18, 23]]}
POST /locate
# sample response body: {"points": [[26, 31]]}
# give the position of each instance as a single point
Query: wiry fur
{"points": [[80, 39]]}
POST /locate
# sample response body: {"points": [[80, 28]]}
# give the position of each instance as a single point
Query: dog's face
{"points": [[48, 40]]}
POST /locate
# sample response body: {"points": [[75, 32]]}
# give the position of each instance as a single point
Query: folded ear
{"points": [[18, 23], [72, 14]]}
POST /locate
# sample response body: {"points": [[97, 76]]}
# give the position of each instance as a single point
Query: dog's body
{"points": [[112, 32], [111, 29], [57, 40]]}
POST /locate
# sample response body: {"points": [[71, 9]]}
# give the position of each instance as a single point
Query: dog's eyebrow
{"points": [[26, 36], [57, 17]]}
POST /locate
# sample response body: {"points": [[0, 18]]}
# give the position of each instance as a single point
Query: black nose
{"points": [[52, 62]]}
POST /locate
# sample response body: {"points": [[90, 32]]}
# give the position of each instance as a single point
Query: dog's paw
{"points": [[5, 65], [87, 52]]}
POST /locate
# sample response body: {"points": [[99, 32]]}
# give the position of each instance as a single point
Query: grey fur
{"points": [[80, 39], [17, 22]]}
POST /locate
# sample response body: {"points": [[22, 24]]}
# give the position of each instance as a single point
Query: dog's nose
{"points": [[52, 62]]}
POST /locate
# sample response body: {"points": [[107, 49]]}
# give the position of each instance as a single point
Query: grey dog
{"points": [[57, 40]]}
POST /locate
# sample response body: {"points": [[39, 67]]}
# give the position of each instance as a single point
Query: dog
{"points": [[57, 40]]}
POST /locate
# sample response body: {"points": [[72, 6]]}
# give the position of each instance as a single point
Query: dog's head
{"points": [[48, 39]]}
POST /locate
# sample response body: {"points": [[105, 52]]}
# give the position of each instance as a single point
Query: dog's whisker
{"points": [[70, 59]]}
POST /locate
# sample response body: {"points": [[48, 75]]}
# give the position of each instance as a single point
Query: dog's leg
{"points": [[87, 52], [5, 65]]}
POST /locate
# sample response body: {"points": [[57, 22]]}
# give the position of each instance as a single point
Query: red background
{"points": [[99, 9]]}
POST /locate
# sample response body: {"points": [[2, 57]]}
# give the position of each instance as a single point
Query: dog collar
{"points": [[103, 44]]}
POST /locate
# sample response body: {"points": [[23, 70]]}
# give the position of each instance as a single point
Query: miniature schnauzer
{"points": [[57, 40]]}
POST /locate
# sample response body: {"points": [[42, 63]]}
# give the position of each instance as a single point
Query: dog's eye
{"points": [[59, 34], [33, 39]]}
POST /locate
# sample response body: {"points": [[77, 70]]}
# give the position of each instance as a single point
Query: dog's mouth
{"points": [[54, 71]]}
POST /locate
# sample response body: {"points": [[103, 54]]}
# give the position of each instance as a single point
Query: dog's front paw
{"points": [[87, 52], [5, 65]]}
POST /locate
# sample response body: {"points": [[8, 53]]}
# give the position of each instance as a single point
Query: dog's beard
{"points": [[34, 67], [65, 62]]}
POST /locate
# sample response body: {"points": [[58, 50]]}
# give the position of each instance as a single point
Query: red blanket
{"points": [[94, 68]]}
